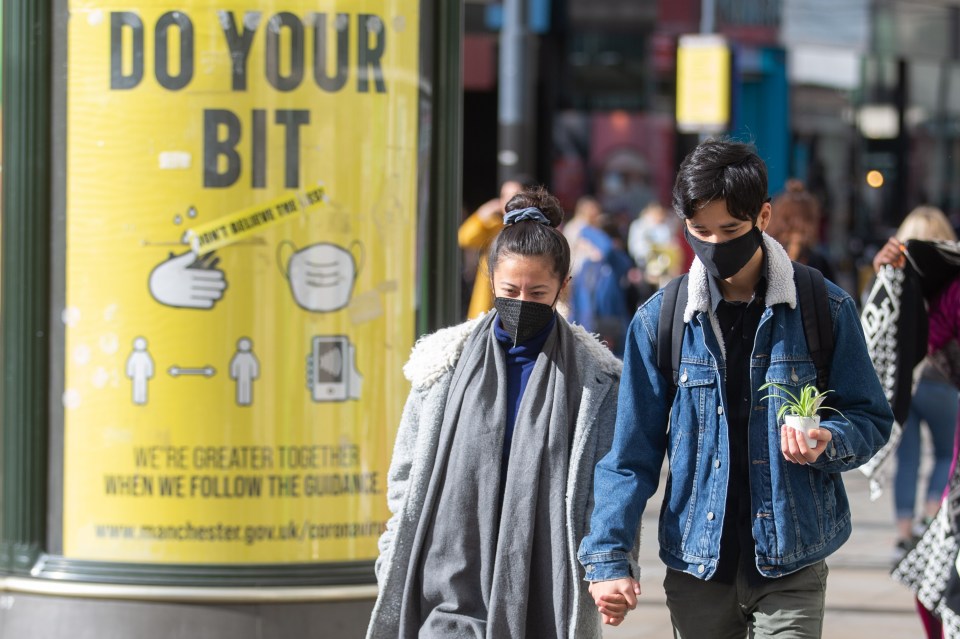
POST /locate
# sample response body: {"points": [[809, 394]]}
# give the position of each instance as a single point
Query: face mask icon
{"points": [[321, 275]]}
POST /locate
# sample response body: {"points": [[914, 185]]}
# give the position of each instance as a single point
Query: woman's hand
{"points": [[490, 210], [891, 253], [615, 598]]}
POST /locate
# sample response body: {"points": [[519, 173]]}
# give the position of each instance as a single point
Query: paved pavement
{"points": [[862, 600]]}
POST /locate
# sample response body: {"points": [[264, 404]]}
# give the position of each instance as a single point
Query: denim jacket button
{"points": [[590, 568], [701, 568], [793, 375], [719, 410], [716, 464], [683, 377], [710, 516]]}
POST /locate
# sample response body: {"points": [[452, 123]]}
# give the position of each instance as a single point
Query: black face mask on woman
{"points": [[725, 259], [522, 319]]}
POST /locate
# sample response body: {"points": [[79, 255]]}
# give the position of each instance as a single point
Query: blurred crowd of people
{"points": [[619, 260]]}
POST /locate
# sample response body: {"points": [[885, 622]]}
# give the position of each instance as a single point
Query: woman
{"points": [[475, 234], [934, 403], [796, 225], [932, 267], [491, 477]]}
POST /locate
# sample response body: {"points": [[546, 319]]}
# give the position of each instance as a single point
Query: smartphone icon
{"points": [[330, 368]]}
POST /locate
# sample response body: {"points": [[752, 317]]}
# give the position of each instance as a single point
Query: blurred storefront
{"points": [[826, 90], [606, 94], [875, 93]]}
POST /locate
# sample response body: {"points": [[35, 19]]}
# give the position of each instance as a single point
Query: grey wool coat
{"points": [[429, 371]]}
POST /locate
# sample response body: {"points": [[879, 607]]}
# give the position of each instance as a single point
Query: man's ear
{"points": [[766, 212]]}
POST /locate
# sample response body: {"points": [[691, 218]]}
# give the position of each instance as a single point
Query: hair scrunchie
{"points": [[521, 215]]}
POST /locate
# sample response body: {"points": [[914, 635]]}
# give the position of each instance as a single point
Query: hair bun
{"points": [[539, 198], [530, 213]]}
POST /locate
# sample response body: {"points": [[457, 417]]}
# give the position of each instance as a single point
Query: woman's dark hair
{"points": [[530, 238], [795, 210], [721, 170]]}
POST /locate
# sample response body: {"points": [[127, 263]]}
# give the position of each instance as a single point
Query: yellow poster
{"points": [[241, 225], [703, 84]]}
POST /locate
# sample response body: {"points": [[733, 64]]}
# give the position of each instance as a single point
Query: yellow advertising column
{"points": [[240, 273]]}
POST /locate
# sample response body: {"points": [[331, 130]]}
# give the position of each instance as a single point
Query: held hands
{"points": [[795, 449], [615, 598]]}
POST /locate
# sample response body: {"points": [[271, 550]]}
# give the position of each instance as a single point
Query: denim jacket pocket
{"points": [[695, 402], [791, 374], [694, 415]]}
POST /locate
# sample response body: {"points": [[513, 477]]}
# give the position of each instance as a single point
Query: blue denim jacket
{"points": [[801, 511]]}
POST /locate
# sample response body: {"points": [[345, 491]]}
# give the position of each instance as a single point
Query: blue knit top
{"points": [[520, 362]]}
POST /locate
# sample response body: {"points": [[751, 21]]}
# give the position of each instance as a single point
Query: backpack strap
{"points": [[817, 321], [670, 330]]}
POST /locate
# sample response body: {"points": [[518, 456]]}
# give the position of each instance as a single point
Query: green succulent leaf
{"points": [[808, 403]]}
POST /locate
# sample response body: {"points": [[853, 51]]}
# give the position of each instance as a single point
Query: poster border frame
{"points": [[438, 180]]}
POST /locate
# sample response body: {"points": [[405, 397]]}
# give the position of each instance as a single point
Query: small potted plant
{"points": [[800, 412]]}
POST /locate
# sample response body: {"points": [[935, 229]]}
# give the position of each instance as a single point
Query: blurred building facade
{"points": [[828, 90]]}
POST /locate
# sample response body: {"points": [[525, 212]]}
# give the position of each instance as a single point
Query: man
{"points": [[750, 511]]}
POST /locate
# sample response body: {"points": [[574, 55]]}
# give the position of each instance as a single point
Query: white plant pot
{"points": [[803, 424]]}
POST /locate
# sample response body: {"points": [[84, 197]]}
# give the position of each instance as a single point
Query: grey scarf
{"points": [[478, 570]]}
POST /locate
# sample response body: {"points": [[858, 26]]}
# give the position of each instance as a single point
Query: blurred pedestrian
{"points": [[932, 267], [601, 297], [795, 223], [751, 511], [586, 213], [490, 482], [934, 403], [625, 185], [654, 244], [476, 233]]}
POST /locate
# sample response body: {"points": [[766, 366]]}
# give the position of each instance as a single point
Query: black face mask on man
{"points": [[725, 259], [522, 319]]}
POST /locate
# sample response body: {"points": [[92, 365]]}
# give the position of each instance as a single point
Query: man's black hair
{"points": [[721, 170]]}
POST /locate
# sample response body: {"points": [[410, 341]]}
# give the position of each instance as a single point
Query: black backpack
{"points": [[814, 310]]}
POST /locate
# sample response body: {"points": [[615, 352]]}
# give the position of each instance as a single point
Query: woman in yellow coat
{"points": [[476, 232]]}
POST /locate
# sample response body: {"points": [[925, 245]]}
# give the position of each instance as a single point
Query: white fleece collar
{"points": [[781, 288], [436, 353]]}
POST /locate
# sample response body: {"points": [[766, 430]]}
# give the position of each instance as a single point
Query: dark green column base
{"points": [[219, 575], [18, 559]]}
